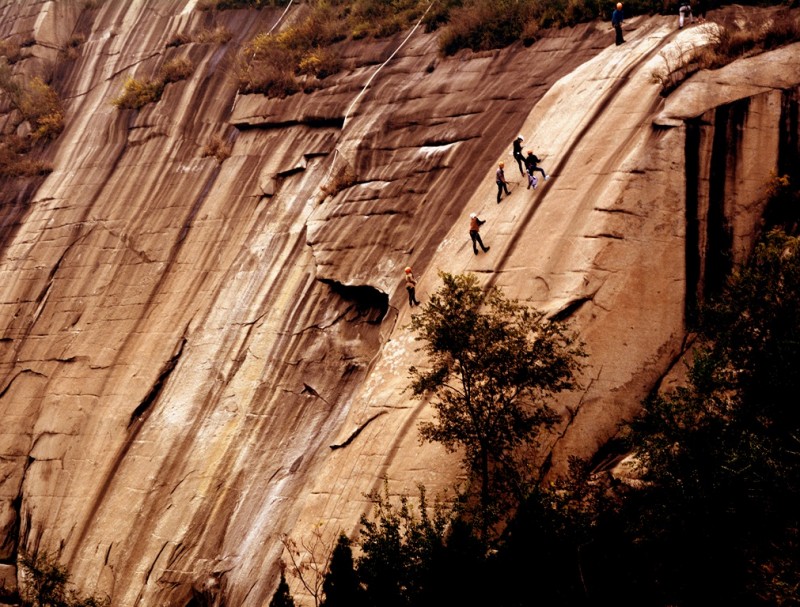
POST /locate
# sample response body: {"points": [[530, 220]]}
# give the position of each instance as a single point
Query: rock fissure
{"points": [[571, 308], [149, 571], [573, 411], [605, 235], [147, 138], [128, 67], [126, 241], [335, 123], [16, 376], [309, 390], [357, 431], [141, 412], [618, 211]]}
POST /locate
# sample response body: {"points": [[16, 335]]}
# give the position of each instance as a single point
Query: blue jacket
{"points": [[617, 16]]}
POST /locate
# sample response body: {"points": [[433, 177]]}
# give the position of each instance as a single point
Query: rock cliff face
{"points": [[198, 356]]}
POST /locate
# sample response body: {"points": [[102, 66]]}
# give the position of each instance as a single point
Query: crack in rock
{"points": [[357, 431], [141, 410], [605, 235], [318, 122], [620, 211], [13, 379], [309, 390], [570, 308]]}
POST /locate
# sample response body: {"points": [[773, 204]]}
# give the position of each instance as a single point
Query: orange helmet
{"points": [[502, 164], [408, 270]]}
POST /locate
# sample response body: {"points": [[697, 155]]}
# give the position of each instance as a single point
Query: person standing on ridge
{"points": [[617, 17], [518, 154], [685, 11], [701, 10], [474, 232], [502, 184], [531, 164], [411, 286]]}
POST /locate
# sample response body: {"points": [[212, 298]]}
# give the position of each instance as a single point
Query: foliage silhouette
{"points": [[494, 364], [282, 596], [46, 583]]}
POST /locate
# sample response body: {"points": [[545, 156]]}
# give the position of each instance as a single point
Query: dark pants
{"points": [[540, 169], [501, 187], [618, 29], [520, 163], [412, 297], [476, 240]]}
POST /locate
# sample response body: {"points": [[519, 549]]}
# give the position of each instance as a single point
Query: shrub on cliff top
{"points": [[727, 44], [293, 59], [207, 5], [272, 63]]}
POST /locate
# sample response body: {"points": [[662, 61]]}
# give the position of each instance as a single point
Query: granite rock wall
{"points": [[198, 356]]}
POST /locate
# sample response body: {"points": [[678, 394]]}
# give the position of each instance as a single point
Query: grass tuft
{"points": [[138, 93]]}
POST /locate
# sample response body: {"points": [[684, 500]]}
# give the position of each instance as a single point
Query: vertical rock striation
{"points": [[200, 354]]}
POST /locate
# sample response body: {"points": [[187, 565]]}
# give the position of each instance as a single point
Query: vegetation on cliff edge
{"points": [[301, 55]]}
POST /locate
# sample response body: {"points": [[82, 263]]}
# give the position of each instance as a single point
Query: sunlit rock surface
{"points": [[199, 356]]}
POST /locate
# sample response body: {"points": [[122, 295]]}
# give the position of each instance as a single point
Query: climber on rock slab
{"points": [[502, 184], [475, 224]]}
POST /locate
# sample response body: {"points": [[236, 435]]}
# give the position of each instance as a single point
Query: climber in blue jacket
{"points": [[617, 17]]}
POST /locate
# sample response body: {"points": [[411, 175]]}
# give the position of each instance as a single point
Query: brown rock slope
{"points": [[198, 356]]}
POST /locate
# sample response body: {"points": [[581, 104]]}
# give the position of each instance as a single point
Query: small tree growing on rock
{"points": [[494, 364]]}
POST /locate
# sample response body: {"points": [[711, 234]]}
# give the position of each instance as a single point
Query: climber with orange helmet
{"points": [[502, 184], [411, 285], [475, 224], [532, 164], [617, 17]]}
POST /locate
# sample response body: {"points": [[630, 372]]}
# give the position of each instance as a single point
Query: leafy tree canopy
{"points": [[493, 365]]}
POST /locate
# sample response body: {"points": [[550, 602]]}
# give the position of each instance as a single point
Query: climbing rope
{"points": [[381, 66], [366, 86]]}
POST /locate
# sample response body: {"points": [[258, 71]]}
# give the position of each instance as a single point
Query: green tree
{"points": [[401, 551], [720, 456], [341, 587], [493, 366], [282, 596]]}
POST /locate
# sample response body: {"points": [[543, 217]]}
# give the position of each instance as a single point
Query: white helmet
{"points": [[521, 138], [473, 215]]}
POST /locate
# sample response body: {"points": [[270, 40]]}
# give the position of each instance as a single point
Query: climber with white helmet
{"points": [[474, 232], [684, 11], [517, 153], [411, 285]]}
